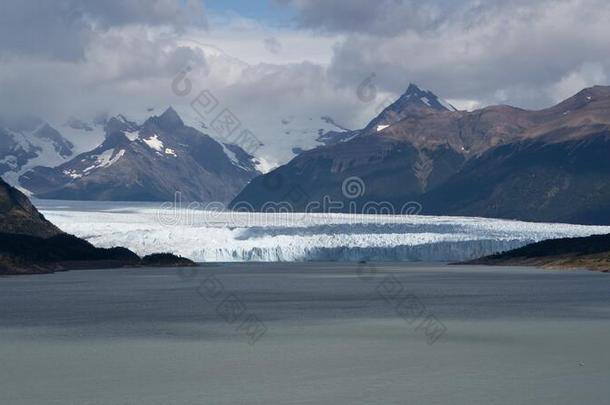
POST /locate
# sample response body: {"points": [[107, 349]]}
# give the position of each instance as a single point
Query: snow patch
{"points": [[154, 143], [169, 151], [73, 174], [105, 159], [132, 136], [263, 165], [381, 127], [108, 158]]}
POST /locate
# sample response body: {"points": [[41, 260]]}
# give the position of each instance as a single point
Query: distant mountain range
{"points": [[500, 161], [30, 141], [148, 162]]}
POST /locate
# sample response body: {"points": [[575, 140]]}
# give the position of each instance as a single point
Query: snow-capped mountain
{"points": [[148, 162], [27, 142]]}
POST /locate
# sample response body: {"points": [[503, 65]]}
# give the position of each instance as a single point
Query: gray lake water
{"points": [[306, 333]]}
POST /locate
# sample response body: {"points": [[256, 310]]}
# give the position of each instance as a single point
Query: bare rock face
{"points": [[500, 161]]}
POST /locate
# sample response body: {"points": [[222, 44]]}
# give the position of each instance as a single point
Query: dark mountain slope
{"points": [[500, 161], [381, 164], [383, 160], [532, 180], [19, 216]]}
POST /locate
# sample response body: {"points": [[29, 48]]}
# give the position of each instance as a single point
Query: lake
{"points": [[306, 333]]}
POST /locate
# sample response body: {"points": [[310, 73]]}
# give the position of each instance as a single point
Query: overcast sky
{"points": [[294, 59]]}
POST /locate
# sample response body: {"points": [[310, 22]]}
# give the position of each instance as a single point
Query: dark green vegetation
{"points": [[24, 254], [165, 260], [591, 252]]}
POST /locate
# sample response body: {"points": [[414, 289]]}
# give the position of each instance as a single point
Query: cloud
{"points": [[514, 55], [589, 74], [71, 56], [82, 57], [264, 95], [382, 17], [130, 68], [272, 45], [119, 68], [62, 29]]}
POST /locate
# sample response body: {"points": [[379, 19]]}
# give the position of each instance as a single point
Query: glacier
{"points": [[220, 236]]}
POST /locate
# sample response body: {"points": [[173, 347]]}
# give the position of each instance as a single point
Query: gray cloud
{"points": [[61, 29], [65, 57], [82, 57], [527, 55], [121, 69], [273, 45], [381, 17]]}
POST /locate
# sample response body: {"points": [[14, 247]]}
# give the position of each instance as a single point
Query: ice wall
{"points": [[211, 236]]}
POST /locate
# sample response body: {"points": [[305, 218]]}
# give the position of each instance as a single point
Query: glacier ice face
{"points": [[215, 236]]}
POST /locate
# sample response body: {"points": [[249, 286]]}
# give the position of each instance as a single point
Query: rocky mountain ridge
{"points": [[498, 161], [148, 162]]}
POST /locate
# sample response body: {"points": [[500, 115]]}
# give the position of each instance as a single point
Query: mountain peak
{"points": [[170, 118], [413, 89], [414, 101], [582, 99], [119, 123], [417, 97]]}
